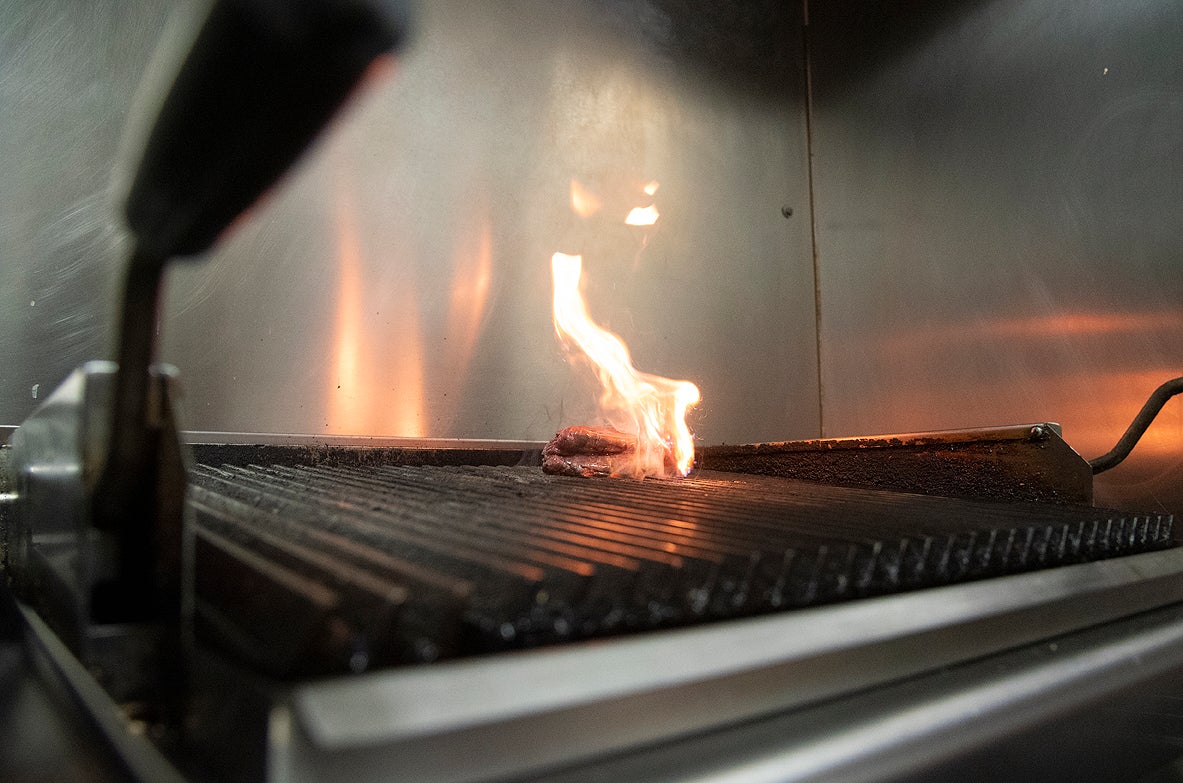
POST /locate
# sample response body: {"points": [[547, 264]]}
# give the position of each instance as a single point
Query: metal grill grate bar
{"points": [[472, 559]]}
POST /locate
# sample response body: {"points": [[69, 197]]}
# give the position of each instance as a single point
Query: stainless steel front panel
{"points": [[998, 192], [599, 700], [397, 283]]}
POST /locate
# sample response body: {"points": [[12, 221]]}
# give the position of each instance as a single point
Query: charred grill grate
{"points": [[310, 569]]}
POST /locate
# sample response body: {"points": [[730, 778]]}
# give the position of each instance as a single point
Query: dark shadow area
{"points": [[43, 737], [850, 40], [749, 47]]}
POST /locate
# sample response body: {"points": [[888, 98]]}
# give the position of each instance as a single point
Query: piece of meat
{"points": [[589, 464], [602, 451], [589, 441], [590, 451]]}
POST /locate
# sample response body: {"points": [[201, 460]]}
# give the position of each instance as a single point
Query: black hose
{"points": [[1137, 427]]}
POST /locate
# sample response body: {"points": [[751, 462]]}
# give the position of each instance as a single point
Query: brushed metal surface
{"points": [[397, 282], [632, 692], [1093, 706], [997, 194], [67, 74], [996, 190]]}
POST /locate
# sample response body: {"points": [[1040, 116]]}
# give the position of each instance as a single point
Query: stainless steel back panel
{"points": [[397, 283], [998, 196], [996, 189]]}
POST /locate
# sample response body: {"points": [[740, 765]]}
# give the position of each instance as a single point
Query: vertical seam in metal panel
{"points": [[817, 292]]}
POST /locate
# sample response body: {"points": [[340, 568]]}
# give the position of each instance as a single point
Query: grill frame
{"points": [[526, 711], [522, 713], [561, 706]]}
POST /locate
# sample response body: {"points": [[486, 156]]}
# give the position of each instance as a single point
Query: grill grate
{"points": [[310, 569]]}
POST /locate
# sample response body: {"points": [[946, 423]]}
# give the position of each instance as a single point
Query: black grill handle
{"points": [[263, 77]]}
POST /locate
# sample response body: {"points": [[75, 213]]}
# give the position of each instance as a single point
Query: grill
{"points": [[544, 620], [385, 564], [362, 609], [828, 609]]}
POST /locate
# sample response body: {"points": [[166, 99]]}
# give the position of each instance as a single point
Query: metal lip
{"points": [[666, 684], [898, 440], [913, 728], [351, 441], [994, 434], [917, 439], [51, 659]]}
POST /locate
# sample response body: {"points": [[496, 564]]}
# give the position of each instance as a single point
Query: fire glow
{"points": [[353, 408], [649, 407], [642, 216], [583, 202]]}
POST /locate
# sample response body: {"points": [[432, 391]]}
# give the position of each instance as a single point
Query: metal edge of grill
{"points": [[533, 709]]}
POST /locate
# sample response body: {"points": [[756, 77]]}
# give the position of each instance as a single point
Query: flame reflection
{"points": [[365, 397], [642, 216], [472, 274], [404, 410], [347, 414], [1066, 324], [583, 201]]}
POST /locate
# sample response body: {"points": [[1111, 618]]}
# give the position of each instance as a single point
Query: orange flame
{"points": [[647, 406]]}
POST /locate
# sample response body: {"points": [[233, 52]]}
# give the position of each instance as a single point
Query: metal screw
{"points": [[786, 211], [1039, 433]]}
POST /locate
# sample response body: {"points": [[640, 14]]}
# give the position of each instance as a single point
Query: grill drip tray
{"points": [[316, 569]]}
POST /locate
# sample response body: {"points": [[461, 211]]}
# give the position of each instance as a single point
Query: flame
{"points": [[651, 188], [648, 406], [642, 216]]}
